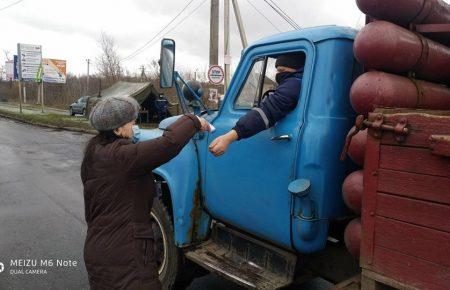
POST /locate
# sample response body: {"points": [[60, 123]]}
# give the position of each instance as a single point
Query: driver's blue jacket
{"points": [[273, 108]]}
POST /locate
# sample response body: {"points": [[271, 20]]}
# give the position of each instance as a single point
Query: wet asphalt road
{"points": [[42, 210]]}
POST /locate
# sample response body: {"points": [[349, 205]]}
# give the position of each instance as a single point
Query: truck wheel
{"points": [[84, 112], [71, 112], [169, 258]]}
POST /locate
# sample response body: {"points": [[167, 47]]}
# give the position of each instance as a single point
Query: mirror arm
{"points": [[181, 98], [176, 75]]}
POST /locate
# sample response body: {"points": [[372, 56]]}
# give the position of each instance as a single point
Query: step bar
{"points": [[247, 261]]}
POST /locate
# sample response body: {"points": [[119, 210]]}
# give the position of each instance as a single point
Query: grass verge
{"points": [[59, 121], [51, 120]]}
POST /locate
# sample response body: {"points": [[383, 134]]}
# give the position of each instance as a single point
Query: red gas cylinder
{"points": [[352, 237], [378, 89], [357, 147], [407, 11], [388, 47], [352, 191]]}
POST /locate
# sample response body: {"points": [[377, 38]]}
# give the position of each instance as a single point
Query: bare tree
{"points": [[108, 62], [6, 52], [153, 72]]}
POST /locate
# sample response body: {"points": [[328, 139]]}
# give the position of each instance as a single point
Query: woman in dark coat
{"points": [[119, 191]]}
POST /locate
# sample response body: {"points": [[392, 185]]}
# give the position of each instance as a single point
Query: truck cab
{"points": [[257, 213]]}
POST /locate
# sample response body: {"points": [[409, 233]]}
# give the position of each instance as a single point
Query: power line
{"points": [[195, 9], [10, 5], [139, 50], [290, 22], [260, 13], [282, 11], [176, 25]]}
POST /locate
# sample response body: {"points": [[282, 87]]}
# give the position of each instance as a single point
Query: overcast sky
{"points": [[70, 29]]}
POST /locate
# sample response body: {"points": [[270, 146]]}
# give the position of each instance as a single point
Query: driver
{"points": [[273, 108]]}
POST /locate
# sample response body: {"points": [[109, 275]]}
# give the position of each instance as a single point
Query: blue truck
{"points": [[270, 210]]}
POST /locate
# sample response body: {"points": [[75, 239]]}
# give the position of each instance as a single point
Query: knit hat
{"points": [[113, 112], [295, 60]]}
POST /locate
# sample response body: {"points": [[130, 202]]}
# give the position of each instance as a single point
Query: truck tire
{"points": [[170, 259]]}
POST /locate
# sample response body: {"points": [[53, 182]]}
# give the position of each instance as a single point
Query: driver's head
{"points": [[290, 62]]}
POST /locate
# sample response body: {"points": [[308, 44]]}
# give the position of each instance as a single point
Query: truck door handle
{"points": [[281, 137]]}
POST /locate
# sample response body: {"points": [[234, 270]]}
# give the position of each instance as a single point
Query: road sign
{"points": [[54, 70], [215, 74], [30, 59]]}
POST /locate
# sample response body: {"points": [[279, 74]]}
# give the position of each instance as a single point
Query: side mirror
{"points": [[166, 63]]}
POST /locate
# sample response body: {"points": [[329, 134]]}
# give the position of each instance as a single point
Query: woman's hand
{"points": [[204, 124], [220, 145]]}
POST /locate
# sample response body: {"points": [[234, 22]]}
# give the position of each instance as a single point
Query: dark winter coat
{"points": [[118, 196], [273, 108]]}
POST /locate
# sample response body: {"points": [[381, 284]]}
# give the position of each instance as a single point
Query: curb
{"points": [[73, 129]]}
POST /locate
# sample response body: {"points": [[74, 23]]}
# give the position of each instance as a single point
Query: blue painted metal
{"points": [[248, 186], [191, 223]]}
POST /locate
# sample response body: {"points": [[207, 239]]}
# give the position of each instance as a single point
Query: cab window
{"points": [[249, 92], [260, 81]]}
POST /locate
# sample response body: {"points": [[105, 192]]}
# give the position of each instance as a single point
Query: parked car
{"points": [[79, 106]]}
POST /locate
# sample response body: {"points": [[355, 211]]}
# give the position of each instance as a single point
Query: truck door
{"points": [[247, 186]]}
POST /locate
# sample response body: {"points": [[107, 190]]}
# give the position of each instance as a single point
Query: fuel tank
{"points": [[352, 191], [352, 237], [357, 147], [407, 11], [388, 47], [378, 89]]}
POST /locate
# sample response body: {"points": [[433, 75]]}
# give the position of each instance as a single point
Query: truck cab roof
{"points": [[313, 34]]}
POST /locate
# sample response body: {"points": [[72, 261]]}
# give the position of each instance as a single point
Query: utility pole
{"points": [[214, 33], [226, 43], [24, 93], [87, 79], [240, 24], [143, 76]]}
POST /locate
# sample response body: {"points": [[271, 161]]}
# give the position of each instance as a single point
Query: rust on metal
{"points": [[196, 213]]}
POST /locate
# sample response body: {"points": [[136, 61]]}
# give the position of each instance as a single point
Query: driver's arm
{"points": [[273, 108]]}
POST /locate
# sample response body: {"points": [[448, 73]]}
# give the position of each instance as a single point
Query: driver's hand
{"points": [[204, 125], [220, 145]]}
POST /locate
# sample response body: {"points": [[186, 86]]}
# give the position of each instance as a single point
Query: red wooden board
{"points": [[415, 185], [415, 160], [421, 242], [422, 126], [424, 213], [411, 270]]}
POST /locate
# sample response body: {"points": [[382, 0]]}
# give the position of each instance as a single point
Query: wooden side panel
{"points": [[415, 160], [424, 243], [427, 214], [406, 203], [411, 270], [415, 185]]}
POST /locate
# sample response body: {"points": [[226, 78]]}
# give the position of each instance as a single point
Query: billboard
{"points": [[30, 59], [54, 70]]}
